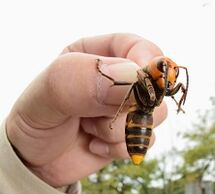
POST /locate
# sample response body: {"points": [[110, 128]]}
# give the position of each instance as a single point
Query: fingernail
{"points": [[113, 95], [99, 148]]}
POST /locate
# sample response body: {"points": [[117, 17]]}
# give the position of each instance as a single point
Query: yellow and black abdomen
{"points": [[138, 132]]}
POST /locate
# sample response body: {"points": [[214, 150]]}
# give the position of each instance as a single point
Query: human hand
{"points": [[60, 124]]}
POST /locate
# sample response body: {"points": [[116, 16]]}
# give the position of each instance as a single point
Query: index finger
{"points": [[122, 45]]}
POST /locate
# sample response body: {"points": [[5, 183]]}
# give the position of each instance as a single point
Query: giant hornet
{"points": [[154, 81]]}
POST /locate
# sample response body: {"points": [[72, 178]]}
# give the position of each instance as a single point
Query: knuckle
{"points": [[119, 151]]}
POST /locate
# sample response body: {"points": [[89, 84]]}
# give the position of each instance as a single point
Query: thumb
{"points": [[112, 150], [72, 86], [80, 90]]}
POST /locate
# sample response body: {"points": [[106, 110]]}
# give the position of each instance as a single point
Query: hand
{"points": [[60, 124]]}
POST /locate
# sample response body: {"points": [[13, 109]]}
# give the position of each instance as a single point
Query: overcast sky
{"points": [[32, 34]]}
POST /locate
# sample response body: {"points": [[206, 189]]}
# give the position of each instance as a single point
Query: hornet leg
{"points": [[115, 82], [183, 97], [127, 96]]}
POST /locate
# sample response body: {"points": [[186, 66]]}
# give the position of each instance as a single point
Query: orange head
{"points": [[164, 72]]}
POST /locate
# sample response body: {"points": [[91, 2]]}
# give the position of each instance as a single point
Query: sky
{"points": [[33, 33]]}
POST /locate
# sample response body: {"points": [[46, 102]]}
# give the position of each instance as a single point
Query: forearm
{"points": [[15, 176]]}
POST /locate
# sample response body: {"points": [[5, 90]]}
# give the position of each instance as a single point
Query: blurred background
{"points": [[182, 160]]}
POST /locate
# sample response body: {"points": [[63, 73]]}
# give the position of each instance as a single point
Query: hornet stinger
{"points": [[154, 81]]}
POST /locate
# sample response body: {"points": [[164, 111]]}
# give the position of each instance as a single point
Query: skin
{"points": [[59, 126]]}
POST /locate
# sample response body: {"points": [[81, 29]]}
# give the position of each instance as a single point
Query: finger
{"points": [[100, 127], [122, 45], [112, 150], [77, 88], [160, 114], [72, 86], [75, 163], [108, 150]]}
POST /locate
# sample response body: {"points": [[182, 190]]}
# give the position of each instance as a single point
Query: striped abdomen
{"points": [[137, 133]]}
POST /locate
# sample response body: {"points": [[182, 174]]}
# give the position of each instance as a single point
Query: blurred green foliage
{"points": [[199, 157]]}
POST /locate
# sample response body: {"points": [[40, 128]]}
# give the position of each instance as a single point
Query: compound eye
{"points": [[161, 65]]}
